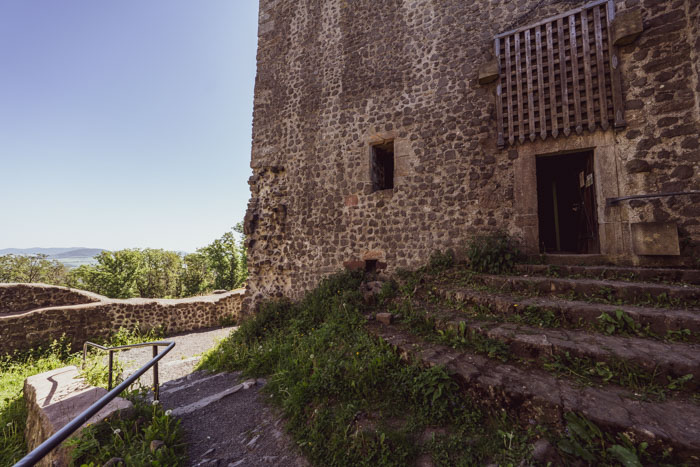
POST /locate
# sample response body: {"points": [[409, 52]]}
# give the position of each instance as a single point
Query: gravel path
{"points": [[235, 430], [225, 419], [180, 361]]}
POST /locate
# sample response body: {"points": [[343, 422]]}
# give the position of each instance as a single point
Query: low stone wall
{"points": [[98, 319], [23, 297]]}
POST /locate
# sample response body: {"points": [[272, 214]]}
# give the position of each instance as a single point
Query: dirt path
{"points": [[226, 422], [225, 419]]}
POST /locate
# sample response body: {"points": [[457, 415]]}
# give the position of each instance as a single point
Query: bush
{"points": [[440, 261], [493, 254]]}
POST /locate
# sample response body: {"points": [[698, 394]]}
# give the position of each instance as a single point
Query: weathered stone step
{"points": [[188, 382], [635, 292], [533, 394], [573, 259], [574, 313], [205, 401], [54, 399], [663, 360], [689, 276]]}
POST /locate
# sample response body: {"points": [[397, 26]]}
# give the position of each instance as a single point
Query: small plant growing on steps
{"points": [[621, 323], [497, 253]]}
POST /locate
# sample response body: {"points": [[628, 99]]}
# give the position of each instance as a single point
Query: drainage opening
{"points": [[371, 266]]}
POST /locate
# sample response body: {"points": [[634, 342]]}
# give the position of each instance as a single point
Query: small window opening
{"points": [[383, 166], [371, 266]]}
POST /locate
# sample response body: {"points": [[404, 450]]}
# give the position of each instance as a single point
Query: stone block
{"points": [[627, 26], [56, 397], [385, 318], [488, 73], [655, 238]]}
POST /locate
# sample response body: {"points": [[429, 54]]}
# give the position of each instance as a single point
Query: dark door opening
{"points": [[566, 203]]}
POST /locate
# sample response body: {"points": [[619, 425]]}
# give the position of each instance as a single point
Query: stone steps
{"points": [[633, 292], [573, 259], [576, 313], [663, 360], [688, 276], [532, 394]]}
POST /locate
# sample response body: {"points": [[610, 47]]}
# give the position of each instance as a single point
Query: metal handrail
{"points": [[61, 435], [614, 201], [111, 351]]}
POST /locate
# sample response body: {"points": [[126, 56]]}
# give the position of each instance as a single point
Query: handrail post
{"points": [[111, 360], [85, 346], [156, 389]]}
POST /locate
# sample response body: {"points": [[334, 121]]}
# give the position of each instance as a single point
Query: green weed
{"points": [[584, 441], [493, 254], [439, 260], [130, 439], [327, 374], [621, 323]]}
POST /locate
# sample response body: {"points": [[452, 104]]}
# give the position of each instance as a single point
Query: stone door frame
{"points": [[613, 227]]}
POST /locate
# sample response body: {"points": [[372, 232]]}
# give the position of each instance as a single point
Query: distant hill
{"points": [[79, 252], [71, 257], [36, 251]]}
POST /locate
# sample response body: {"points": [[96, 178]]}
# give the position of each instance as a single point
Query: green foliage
{"points": [[115, 275], [327, 374], [156, 273], [159, 274], [32, 268], [130, 438], [197, 277], [388, 291], [439, 261], [497, 253], [227, 260], [621, 323], [136, 335], [585, 441], [463, 337], [14, 369]]}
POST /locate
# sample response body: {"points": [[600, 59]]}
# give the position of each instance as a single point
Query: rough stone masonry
{"points": [[339, 78]]}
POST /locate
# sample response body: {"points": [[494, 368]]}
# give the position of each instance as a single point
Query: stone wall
{"points": [[21, 297], [99, 319], [334, 77]]}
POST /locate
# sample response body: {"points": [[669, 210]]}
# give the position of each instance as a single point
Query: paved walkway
{"points": [[180, 361], [225, 419]]}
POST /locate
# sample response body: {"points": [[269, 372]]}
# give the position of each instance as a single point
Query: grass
{"points": [[349, 399], [15, 368], [332, 381], [130, 439]]}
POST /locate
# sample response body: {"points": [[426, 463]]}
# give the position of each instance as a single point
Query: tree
{"points": [[227, 260], [159, 274], [115, 275], [32, 269], [197, 276]]}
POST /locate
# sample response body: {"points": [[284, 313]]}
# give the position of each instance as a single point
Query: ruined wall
{"points": [[21, 297], [335, 76], [99, 319]]}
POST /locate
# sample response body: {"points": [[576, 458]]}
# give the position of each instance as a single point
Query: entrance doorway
{"points": [[566, 203]]}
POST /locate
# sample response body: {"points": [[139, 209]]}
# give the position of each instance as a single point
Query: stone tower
{"points": [[386, 129]]}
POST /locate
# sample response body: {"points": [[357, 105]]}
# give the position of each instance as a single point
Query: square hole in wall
{"points": [[382, 166]]}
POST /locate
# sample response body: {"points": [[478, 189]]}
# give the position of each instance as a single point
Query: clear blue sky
{"points": [[124, 124]]}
